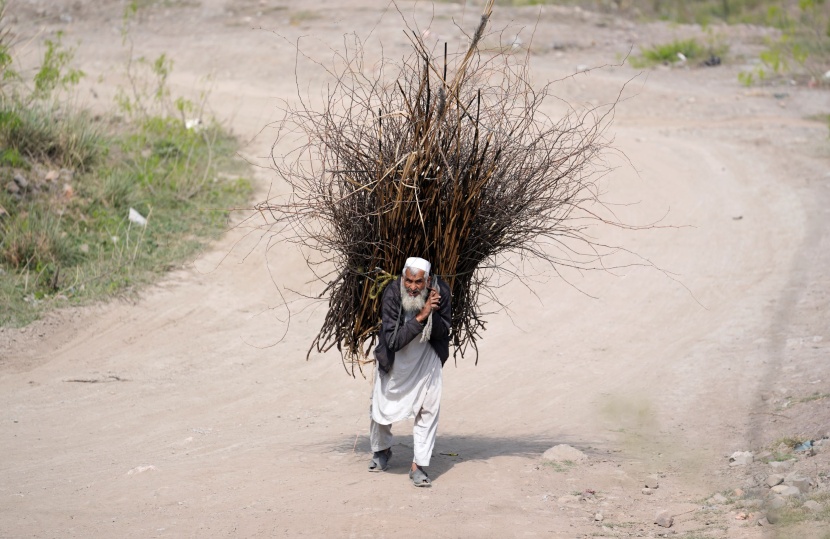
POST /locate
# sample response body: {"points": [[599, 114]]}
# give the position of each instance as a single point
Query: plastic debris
{"points": [[137, 218], [193, 124], [806, 446]]}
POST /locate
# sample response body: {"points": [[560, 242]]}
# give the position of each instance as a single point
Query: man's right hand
{"points": [[432, 304]]}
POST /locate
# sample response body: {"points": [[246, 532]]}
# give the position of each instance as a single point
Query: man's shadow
{"points": [[452, 449]]}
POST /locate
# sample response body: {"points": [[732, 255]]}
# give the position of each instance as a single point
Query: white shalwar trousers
{"points": [[411, 389]]}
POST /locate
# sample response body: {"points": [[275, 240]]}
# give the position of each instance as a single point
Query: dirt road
{"points": [[170, 417]]}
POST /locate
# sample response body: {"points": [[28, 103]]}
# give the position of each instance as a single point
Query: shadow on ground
{"points": [[452, 449]]}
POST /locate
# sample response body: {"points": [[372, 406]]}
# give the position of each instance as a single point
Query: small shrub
{"points": [[33, 239], [50, 134], [669, 53], [55, 72], [803, 48]]}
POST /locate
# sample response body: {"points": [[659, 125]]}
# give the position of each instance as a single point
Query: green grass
{"points": [[794, 513], [70, 241], [815, 396], [50, 134], [560, 466], [668, 53], [68, 182]]}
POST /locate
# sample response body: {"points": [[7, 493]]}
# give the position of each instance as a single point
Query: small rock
{"points": [[781, 465], [562, 452], [741, 458], [598, 517], [786, 491], [776, 502], [712, 61], [142, 469], [21, 181], [738, 493], [581, 68], [764, 521], [12, 188], [52, 175], [764, 455], [775, 479], [68, 192], [773, 517], [664, 519], [812, 506], [799, 482], [651, 482], [751, 504], [647, 491]]}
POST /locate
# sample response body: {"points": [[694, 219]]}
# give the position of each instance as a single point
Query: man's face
{"points": [[414, 282]]}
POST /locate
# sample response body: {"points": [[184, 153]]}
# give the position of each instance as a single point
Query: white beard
{"points": [[413, 305]]}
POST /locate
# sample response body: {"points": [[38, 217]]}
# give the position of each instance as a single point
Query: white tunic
{"points": [[413, 384]]}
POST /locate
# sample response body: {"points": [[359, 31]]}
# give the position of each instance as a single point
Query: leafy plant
{"points": [[55, 72], [802, 49]]}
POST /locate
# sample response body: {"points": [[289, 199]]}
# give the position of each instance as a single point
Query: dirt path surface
{"points": [[166, 417]]}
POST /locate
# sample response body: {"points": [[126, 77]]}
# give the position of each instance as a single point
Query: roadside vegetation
{"points": [[93, 206], [800, 49]]}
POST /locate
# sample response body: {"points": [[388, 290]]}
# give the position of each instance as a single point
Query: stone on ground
{"points": [[651, 482], [741, 458], [786, 491], [563, 452], [775, 480], [664, 519]]}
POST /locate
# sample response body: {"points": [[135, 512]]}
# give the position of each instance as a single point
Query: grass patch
{"points": [[38, 132], [795, 513], [559, 466], [679, 51], [816, 396], [71, 241], [669, 53], [298, 18], [69, 183]]}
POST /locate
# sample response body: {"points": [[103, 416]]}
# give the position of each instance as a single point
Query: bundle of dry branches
{"points": [[451, 159]]}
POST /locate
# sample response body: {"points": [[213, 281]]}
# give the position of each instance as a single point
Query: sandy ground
{"points": [[171, 416]]}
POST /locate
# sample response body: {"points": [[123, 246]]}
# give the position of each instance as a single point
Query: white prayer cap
{"points": [[414, 262]]}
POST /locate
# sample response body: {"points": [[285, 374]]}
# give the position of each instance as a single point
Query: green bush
{"points": [[669, 53]]}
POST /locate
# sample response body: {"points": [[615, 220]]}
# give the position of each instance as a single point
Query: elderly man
{"points": [[413, 346]]}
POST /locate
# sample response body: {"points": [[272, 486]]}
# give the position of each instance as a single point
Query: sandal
{"points": [[380, 460], [419, 478]]}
